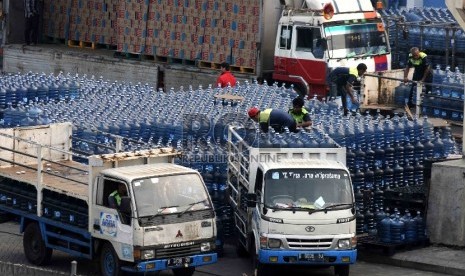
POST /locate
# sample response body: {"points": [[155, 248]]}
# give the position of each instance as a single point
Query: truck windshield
{"points": [[307, 188], [357, 40], [170, 194]]}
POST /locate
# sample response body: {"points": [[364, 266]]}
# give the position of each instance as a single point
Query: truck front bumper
{"points": [[310, 257], [163, 264]]}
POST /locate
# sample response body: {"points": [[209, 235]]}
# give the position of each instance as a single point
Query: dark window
{"points": [[304, 39]]}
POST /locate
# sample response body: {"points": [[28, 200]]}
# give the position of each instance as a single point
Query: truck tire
{"points": [[342, 270], [259, 268], [34, 246], [109, 262], [185, 271]]}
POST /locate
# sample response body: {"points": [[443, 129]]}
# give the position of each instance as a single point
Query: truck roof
{"points": [[144, 171], [304, 164]]}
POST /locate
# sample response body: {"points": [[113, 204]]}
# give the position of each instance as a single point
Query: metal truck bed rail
{"points": [[39, 156]]}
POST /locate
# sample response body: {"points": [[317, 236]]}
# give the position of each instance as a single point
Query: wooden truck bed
{"points": [[69, 181], [22, 148]]}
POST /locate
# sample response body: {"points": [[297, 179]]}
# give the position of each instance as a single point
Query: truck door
{"points": [[108, 223], [307, 56], [283, 51]]}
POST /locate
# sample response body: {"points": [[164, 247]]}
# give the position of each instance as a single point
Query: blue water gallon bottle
{"points": [[359, 157], [389, 155], [399, 152], [438, 147], [379, 177], [370, 157], [421, 227], [369, 178], [384, 232], [409, 174], [359, 178], [411, 231], [397, 230], [398, 173]]}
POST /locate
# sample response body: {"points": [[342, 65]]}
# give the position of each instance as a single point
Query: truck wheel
{"points": [[259, 268], [34, 246], [185, 271], [109, 262], [341, 270]]}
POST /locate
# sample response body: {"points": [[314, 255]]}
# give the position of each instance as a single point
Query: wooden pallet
{"points": [[232, 68], [82, 44], [208, 64]]}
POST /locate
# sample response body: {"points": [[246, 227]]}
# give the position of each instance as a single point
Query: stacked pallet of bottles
{"points": [[212, 31], [56, 19], [443, 100], [433, 30], [446, 99], [132, 26]]}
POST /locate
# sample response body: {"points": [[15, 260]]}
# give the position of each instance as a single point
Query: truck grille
{"points": [[163, 253], [309, 243]]}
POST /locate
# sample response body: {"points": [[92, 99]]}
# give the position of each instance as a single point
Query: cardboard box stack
{"points": [[93, 21], [208, 30], [56, 19], [131, 26]]}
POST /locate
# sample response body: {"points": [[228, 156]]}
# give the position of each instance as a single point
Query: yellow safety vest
{"points": [[117, 197], [265, 116], [416, 62], [299, 118]]}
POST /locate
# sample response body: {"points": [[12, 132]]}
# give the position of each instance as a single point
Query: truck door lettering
{"points": [[108, 224]]}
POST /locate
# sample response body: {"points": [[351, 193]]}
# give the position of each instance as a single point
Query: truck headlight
{"points": [[147, 254], [274, 243], [205, 246], [344, 244]]}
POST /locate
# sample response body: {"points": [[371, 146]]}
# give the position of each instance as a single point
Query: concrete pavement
{"points": [[438, 259], [434, 258]]}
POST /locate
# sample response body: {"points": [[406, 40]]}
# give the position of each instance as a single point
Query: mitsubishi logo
{"points": [[309, 228], [179, 235]]}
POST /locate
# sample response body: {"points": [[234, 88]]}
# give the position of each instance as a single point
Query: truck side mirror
{"points": [[251, 200], [125, 206]]}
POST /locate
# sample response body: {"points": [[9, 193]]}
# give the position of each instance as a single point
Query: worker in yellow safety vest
{"points": [[299, 113], [422, 72], [341, 81], [114, 199], [275, 118]]}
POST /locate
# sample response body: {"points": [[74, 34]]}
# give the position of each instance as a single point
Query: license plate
{"points": [[312, 257], [179, 261]]}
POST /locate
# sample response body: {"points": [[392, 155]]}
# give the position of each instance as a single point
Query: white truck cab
{"points": [[292, 206]]}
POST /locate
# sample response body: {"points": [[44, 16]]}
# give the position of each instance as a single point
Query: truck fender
{"points": [[253, 241], [97, 246], [24, 222], [301, 85]]}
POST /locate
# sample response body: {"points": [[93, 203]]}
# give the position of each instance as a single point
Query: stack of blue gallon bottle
{"points": [[446, 99], [382, 152]]}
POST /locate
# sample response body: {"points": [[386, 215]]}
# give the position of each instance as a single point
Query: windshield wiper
{"points": [[336, 206], [160, 210], [190, 207]]}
